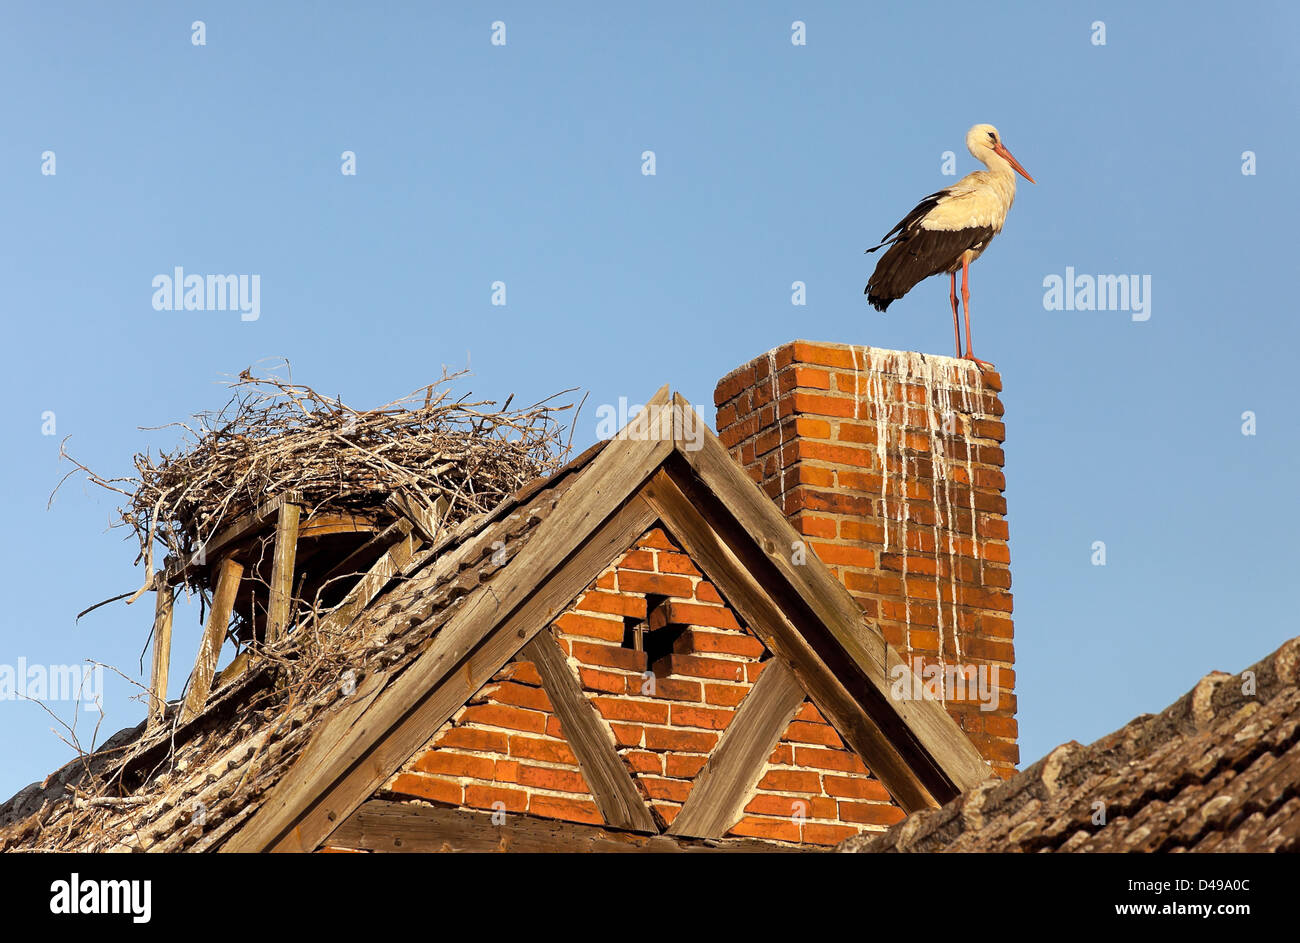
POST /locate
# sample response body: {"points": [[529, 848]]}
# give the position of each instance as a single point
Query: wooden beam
{"points": [[592, 741], [720, 791], [280, 597], [249, 523], [426, 521], [347, 759], [379, 825], [392, 563], [164, 602], [214, 634]]}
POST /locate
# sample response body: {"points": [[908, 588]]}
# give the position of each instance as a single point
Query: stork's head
{"points": [[985, 144]]}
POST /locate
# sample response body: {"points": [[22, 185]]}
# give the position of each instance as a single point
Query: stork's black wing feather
{"points": [[912, 218]]}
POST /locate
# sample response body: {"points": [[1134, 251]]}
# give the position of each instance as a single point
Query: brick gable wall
{"points": [[666, 706]]}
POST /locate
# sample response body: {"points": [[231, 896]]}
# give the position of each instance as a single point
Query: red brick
{"points": [[519, 695], [705, 592], [607, 630], [721, 643], [558, 780], [685, 613], [644, 712], [609, 657], [682, 741], [628, 735], [707, 717], [549, 751], [677, 563], [752, 826], [467, 738], [659, 583], [812, 807], [728, 695], [655, 537], [606, 681], [855, 787], [482, 797], [828, 759], [782, 755], [522, 671], [802, 732], [817, 833], [646, 762], [637, 560], [791, 780], [499, 715], [617, 604], [570, 810], [683, 766], [696, 666], [674, 689], [447, 763], [427, 787]]}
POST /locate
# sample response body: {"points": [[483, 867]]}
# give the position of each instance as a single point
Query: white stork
{"points": [[948, 230]]}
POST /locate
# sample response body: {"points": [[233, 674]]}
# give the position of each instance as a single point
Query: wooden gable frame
{"points": [[666, 465]]}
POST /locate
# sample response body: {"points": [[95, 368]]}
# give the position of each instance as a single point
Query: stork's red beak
{"points": [[1006, 155]]}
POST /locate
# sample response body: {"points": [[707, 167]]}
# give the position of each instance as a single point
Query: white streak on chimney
{"points": [[776, 417]]}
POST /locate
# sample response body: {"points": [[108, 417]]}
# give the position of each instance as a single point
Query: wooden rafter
{"points": [[280, 596], [380, 825], [229, 574], [728, 779], [592, 742], [164, 603]]}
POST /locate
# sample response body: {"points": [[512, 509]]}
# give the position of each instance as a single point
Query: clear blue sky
{"points": [[775, 163]]}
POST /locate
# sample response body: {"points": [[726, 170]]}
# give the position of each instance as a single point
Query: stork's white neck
{"points": [[1001, 175]]}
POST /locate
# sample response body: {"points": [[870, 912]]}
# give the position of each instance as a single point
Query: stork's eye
{"points": [[992, 136]]}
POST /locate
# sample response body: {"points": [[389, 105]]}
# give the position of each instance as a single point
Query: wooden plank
{"points": [[588, 526], [164, 603], [722, 788], [369, 586], [404, 827], [253, 521], [280, 596], [748, 585], [925, 720], [426, 522], [214, 634], [611, 784]]}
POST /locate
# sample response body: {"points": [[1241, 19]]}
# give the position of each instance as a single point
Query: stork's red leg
{"points": [[956, 324], [965, 301]]}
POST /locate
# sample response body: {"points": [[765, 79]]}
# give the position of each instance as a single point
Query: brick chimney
{"points": [[890, 463]]}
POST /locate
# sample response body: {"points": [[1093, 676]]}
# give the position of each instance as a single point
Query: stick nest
{"points": [[275, 436]]}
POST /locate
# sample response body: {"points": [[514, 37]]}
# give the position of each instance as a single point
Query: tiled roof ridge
{"points": [[1224, 725]]}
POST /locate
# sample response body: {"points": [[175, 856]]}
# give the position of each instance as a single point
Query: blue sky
{"points": [[775, 163]]}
